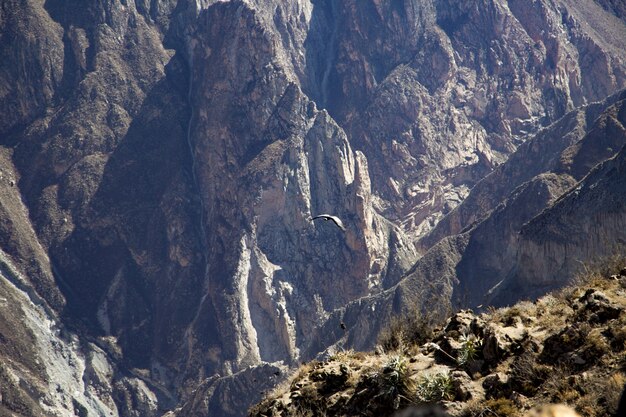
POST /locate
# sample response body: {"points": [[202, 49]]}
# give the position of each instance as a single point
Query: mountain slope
{"points": [[585, 223], [480, 266], [566, 347]]}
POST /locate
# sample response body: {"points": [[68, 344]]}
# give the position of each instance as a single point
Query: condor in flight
{"points": [[334, 219]]}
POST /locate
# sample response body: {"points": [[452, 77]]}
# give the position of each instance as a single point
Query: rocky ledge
{"points": [[566, 347]]}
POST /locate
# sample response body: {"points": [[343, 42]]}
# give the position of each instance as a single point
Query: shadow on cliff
{"points": [[133, 263]]}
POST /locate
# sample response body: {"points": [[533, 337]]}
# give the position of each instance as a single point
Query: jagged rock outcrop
{"points": [[485, 264], [563, 348], [540, 154], [260, 187]]}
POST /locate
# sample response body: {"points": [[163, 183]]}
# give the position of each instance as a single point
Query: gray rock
{"points": [[465, 388], [496, 385]]}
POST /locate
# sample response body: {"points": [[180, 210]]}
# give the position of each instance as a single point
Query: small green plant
{"points": [[394, 380], [435, 387], [470, 346], [393, 383]]}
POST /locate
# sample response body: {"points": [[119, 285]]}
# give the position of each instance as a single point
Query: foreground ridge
{"points": [[566, 347]]}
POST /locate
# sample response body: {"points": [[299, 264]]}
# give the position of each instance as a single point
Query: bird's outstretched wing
{"points": [[334, 219]]}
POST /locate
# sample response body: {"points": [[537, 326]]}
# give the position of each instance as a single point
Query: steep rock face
{"points": [[495, 252], [585, 224], [105, 177], [47, 370], [461, 91], [493, 245], [266, 161], [545, 152]]}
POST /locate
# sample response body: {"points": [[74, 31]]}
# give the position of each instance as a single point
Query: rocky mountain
{"points": [[495, 255], [161, 162], [566, 347], [489, 262]]}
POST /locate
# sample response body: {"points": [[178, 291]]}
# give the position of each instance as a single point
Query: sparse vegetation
{"points": [[435, 387], [527, 374], [14, 399], [394, 382], [470, 346], [501, 407], [406, 331], [567, 347]]}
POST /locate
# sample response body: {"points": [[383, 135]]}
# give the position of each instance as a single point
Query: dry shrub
{"points": [[502, 407], [510, 315], [595, 272], [595, 347], [406, 331], [523, 310], [559, 387], [309, 394], [298, 375], [617, 334], [601, 395], [551, 312], [349, 356], [527, 374], [473, 408]]}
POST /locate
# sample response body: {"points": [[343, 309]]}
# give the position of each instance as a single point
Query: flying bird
{"points": [[334, 219]]}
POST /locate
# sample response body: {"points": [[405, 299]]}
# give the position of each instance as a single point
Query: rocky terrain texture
{"points": [[489, 262], [566, 347], [556, 181], [160, 162]]}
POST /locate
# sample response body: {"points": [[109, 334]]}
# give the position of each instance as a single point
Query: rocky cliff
{"points": [[498, 248], [492, 261], [585, 223], [162, 160], [566, 347]]}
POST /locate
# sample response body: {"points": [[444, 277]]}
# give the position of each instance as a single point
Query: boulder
{"points": [[464, 388], [597, 308], [497, 385], [500, 342]]}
